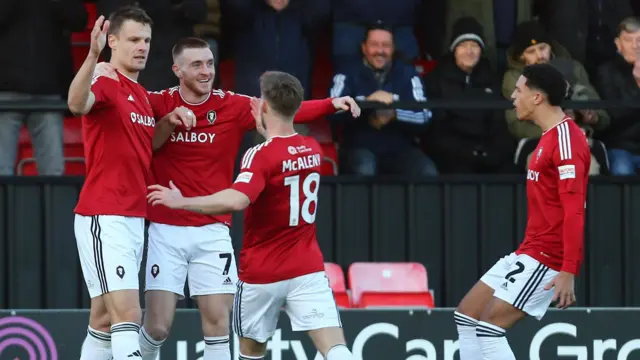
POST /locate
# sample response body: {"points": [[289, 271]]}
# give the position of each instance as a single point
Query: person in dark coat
{"points": [[467, 140]]}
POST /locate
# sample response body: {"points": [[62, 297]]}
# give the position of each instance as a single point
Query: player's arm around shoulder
{"points": [[222, 202]]}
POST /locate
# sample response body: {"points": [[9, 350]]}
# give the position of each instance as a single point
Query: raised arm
{"points": [[81, 98]]}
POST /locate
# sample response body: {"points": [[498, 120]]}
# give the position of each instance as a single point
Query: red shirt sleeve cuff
{"points": [[572, 267]]}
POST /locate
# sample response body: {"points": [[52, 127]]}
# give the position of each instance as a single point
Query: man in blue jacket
{"points": [[382, 141]]}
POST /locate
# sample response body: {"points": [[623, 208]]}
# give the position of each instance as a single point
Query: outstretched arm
{"points": [[312, 110], [222, 202]]}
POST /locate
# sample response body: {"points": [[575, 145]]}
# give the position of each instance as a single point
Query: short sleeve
{"points": [[571, 161], [253, 174], [104, 91], [242, 105], [159, 101]]}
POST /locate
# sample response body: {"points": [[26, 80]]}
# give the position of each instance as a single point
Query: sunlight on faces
{"points": [[525, 99], [130, 45], [537, 54], [467, 54], [378, 48], [195, 69], [628, 44]]}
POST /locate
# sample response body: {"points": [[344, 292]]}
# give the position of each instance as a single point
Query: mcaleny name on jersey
{"points": [[302, 162]]}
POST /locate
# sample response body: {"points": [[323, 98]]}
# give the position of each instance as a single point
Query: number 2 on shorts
{"points": [[517, 271]]}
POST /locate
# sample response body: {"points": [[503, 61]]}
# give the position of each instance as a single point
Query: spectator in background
{"points": [[172, 21], [39, 67], [209, 30], [533, 45], [604, 16], [619, 79], [351, 19], [498, 18], [274, 35], [382, 141], [467, 140]]}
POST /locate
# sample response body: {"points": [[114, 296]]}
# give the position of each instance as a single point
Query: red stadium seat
{"points": [[424, 67], [73, 151], [329, 165], [226, 72], [80, 41], [336, 281], [389, 284], [394, 299], [322, 69]]}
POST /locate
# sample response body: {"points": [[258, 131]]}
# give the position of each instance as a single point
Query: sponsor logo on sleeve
{"points": [[244, 177], [567, 172]]}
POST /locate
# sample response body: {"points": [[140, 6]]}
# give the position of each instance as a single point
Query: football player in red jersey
{"points": [[118, 127], [281, 264], [200, 160], [543, 268]]}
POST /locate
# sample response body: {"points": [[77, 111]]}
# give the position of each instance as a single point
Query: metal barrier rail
{"points": [[429, 104]]}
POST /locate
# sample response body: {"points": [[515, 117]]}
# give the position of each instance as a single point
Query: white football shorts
{"points": [[520, 281], [110, 249], [307, 299], [203, 254]]}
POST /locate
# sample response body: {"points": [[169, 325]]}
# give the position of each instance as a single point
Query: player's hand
{"points": [[183, 116], [170, 197], [256, 111], [107, 70], [347, 103], [564, 290], [99, 36]]}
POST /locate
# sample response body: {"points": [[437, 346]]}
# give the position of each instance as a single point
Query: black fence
{"points": [[598, 334], [456, 226]]}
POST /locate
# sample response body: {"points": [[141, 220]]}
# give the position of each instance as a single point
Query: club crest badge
{"points": [[211, 117], [120, 272]]}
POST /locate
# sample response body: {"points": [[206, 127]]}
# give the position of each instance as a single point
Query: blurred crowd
{"points": [[476, 49]]}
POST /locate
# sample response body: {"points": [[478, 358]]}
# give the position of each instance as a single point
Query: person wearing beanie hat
{"points": [[466, 29], [467, 141], [532, 44], [467, 43]]}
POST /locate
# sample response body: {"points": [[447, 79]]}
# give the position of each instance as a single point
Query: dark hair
{"points": [[188, 43], [376, 26], [283, 92], [549, 80], [130, 12]]}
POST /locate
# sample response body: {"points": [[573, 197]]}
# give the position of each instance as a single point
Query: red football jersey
{"points": [[559, 166], [117, 136], [200, 161], [281, 177]]}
